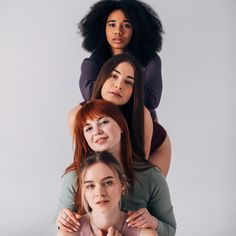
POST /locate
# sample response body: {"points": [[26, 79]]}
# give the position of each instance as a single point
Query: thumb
{"points": [[110, 231], [130, 213], [100, 232], [77, 216]]}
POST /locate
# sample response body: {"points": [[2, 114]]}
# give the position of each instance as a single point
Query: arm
{"points": [[71, 118], [160, 205], [148, 131], [88, 76], [161, 157], [153, 83], [67, 219]]}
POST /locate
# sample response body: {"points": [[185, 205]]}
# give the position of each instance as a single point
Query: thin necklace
{"points": [[119, 227]]}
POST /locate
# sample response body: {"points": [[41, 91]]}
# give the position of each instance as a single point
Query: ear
{"points": [[122, 188]]}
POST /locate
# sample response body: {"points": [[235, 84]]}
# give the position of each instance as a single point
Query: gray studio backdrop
{"points": [[40, 58]]}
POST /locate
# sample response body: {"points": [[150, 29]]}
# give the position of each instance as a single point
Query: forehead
{"points": [[98, 171], [125, 67], [117, 14], [95, 118]]}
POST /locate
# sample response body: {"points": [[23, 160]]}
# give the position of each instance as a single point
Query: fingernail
{"points": [[75, 229], [78, 223], [127, 220]]}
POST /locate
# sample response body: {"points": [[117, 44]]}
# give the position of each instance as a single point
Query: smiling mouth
{"points": [[101, 140]]}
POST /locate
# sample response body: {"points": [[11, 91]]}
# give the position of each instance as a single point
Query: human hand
{"points": [[68, 220], [111, 232], [142, 219]]}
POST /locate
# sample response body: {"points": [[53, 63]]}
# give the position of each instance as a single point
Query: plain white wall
{"points": [[40, 58]]}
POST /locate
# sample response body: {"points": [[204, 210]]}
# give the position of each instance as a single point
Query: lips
{"points": [[101, 140], [118, 40], [116, 94], [102, 202]]}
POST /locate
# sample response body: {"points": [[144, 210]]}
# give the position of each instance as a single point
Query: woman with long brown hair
{"points": [[120, 82]]}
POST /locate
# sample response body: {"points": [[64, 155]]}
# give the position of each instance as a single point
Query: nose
{"points": [[118, 84], [118, 30], [100, 191], [97, 130]]}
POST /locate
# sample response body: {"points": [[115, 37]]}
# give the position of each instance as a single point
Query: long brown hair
{"points": [[133, 110], [97, 157]]}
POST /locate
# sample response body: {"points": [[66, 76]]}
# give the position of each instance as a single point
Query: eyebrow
{"points": [[98, 119], [106, 178], [130, 77], [115, 21]]}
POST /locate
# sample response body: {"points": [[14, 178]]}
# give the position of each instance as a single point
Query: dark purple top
{"points": [[152, 80]]}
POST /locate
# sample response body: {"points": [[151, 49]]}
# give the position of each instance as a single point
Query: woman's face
{"points": [[119, 31], [103, 134], [118, 88], [102, 188]]}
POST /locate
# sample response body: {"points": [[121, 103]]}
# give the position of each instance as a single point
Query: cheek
{"points": [[129, 93], [116, 134], [103, 92], [105, 88], [130, 34], [88, 138], [108, 34]]}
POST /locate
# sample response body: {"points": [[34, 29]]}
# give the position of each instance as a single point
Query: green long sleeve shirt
{"points": [[150, 191]]}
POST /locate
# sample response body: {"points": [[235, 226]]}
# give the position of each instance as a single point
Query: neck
{"points": [[116, 152], [103, 221], [118, 51]]}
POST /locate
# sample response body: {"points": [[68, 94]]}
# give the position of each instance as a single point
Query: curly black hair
{"points": [[147, 29]]}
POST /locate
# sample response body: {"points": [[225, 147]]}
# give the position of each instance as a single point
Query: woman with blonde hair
{"points": [[102, 183]]}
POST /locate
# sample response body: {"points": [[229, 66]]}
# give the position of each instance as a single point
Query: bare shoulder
{"points": [[148, 232], [74, 111], [146, 111], [147, 114]]}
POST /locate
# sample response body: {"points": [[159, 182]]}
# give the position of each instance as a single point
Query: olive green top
{"points": [[150, 191]]}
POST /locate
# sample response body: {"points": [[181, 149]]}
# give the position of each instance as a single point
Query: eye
{"points": [[107, 183], [130, 83], [103, 122], [89, 186], [114, 76], [111, 24], [87, 129], [126, 25]]}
